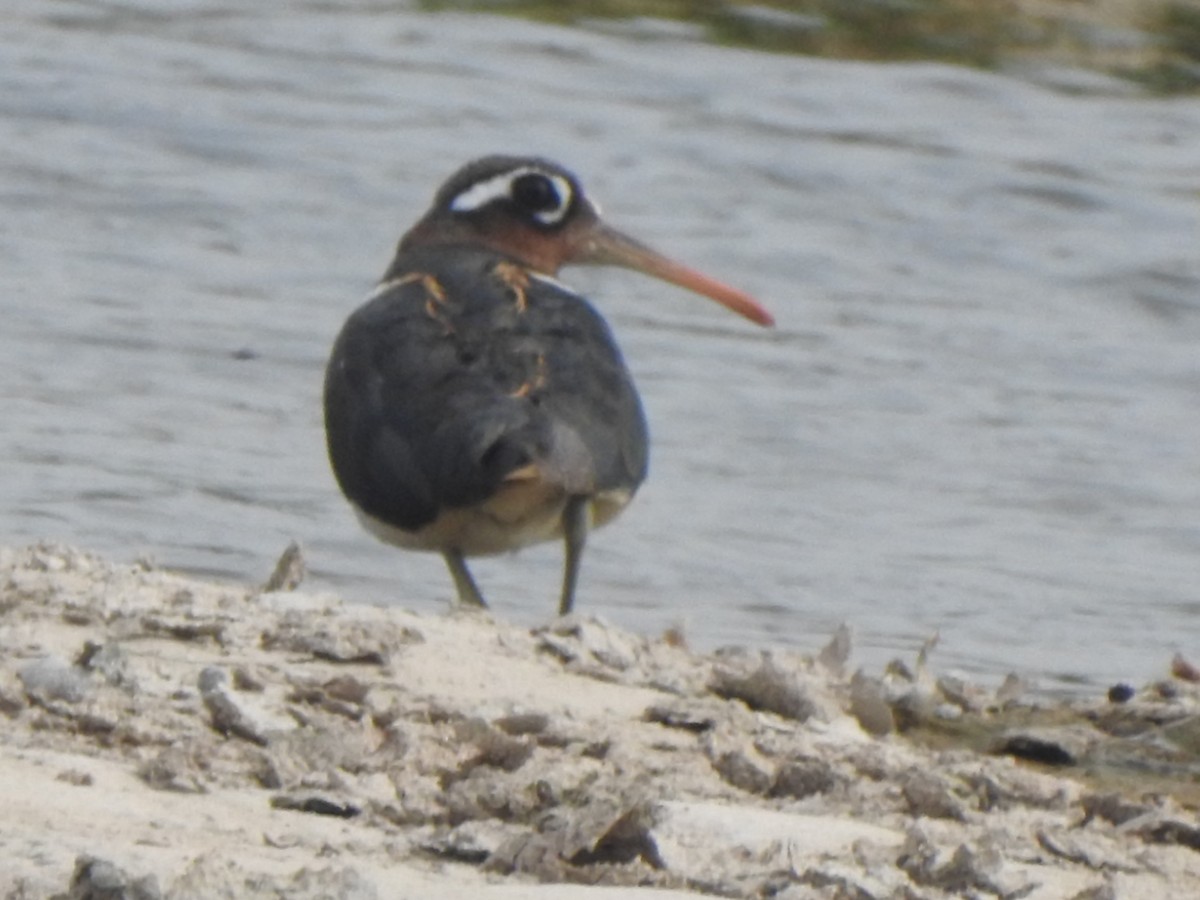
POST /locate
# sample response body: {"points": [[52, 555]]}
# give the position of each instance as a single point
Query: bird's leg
{"points": [[468, 591], [575, 531]]}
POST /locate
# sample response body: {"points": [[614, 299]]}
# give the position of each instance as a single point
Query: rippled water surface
{"points": [[980, 412]]}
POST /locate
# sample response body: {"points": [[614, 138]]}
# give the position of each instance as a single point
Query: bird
{"points": [[474, 404]]}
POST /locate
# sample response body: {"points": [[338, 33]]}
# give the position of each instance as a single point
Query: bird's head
{"points": [[536, 212]]}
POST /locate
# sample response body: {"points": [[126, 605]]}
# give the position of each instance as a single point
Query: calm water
{"points": [[980, 413]]}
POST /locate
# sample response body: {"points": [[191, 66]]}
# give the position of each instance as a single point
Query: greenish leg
{"points": [[575, 532], [468, 591]]}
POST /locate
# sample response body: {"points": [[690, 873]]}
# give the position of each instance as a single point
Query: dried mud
{"points": [[169, 737]]}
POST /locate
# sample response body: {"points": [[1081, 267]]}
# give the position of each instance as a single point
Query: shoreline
{"points": [[1147, 46], [201, 739]]}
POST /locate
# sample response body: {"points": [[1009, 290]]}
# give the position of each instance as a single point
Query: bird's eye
{"points": [[535, 193]]}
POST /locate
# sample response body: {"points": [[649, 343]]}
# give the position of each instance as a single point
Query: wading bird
{"points": [[475, 404]]}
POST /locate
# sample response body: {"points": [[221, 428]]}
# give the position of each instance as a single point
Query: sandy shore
{"points": [[165, 736]]}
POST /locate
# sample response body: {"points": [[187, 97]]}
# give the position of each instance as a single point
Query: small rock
{"points": [[1158, 828], [1105, 891], [961, 696], [1064, 746], [246, 680], [174, 770], [769, 687], [1166, 690], [929, 796], [587, 639], [108, 660], [225, 715], [603, 832], [12, 694], [869, 707], [622, 840], [520, 723], [342, 696], [915, 706], [845, 879], [341, 640], [898, 670], [98, 879], [1112, 808], [1120, 693], [835, 654], [320, 806], [679, 715], [51, 678], [494, 747], [1011, 690], [966, 870], [77, 777], [185, 628], [1002, 789], [1087, 848], [743, 772], [799, 778], [471, 842], [289, 571], [1184, 670]]}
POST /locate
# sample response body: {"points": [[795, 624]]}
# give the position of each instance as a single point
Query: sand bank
{"points": [[173, 737]]}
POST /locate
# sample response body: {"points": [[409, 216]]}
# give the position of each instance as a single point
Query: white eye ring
{"points": [[500, 187]]}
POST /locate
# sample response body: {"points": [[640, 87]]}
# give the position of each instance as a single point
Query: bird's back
{"points": [[465, 376]]}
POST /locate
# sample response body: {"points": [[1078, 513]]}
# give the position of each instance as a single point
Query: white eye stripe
{"points": [[480, 194], [499, 187]]}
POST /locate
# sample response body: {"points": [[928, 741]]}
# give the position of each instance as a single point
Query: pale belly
{"points": [[521, 513]]}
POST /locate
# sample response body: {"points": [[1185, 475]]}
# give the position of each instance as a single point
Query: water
{"points": [[980, 412]]}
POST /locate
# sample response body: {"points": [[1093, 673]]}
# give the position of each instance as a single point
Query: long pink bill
{"points": [[607, 246]]}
